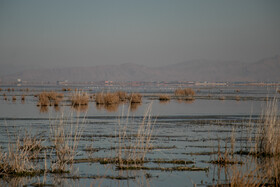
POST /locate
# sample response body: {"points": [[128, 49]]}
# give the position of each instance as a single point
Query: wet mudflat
{"points": [[178, 142]]}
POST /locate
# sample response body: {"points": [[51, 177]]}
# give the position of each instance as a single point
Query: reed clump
{"points": [[49, 98], [267, 140], [18, 160], [122, 95], [135, 98], [110, 98], [184, 92], [99, 98], [164, 97], [79, 98], [264, 155]]}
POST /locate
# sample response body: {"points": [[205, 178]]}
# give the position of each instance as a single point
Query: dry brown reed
{"points": [[65, 138], [134, 147], [268, 135], [184, 92], [164, 97], [111, 98], [99, 98], [135, 98], [122, 95], [49, 98], [79, 98], [265, 169], [246, 178], [18, 160]]}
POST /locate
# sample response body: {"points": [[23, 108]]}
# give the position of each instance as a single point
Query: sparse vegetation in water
{"points": [[65, 138], [138, 146], [265, 170], [18, 160]]}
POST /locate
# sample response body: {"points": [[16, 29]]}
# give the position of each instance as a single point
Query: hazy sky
{"points": [[150, 32]]}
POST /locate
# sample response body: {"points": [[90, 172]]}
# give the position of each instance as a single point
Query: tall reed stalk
{"points": [[65, 137], [134, 147]]}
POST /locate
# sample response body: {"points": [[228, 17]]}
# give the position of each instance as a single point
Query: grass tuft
{"points": [[79, 98]]}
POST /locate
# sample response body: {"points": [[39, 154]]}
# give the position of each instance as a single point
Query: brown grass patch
{"points": [[99, 98], [184, 92], [111, 98], [79, 98], [122, 95], [49, 98], [164, 97], [135, 98]]}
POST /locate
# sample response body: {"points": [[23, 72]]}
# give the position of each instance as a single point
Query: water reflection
{"points": [[80, 108], [164, 101], [111, 108], [57, 108], [44, 109], [108, 108], [134, 106], [186, 100]]}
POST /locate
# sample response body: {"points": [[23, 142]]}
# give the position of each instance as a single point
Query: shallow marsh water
{"points": [[189, 131]]}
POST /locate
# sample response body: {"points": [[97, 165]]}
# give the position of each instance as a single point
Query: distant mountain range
{"points": [[267, 69]]}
